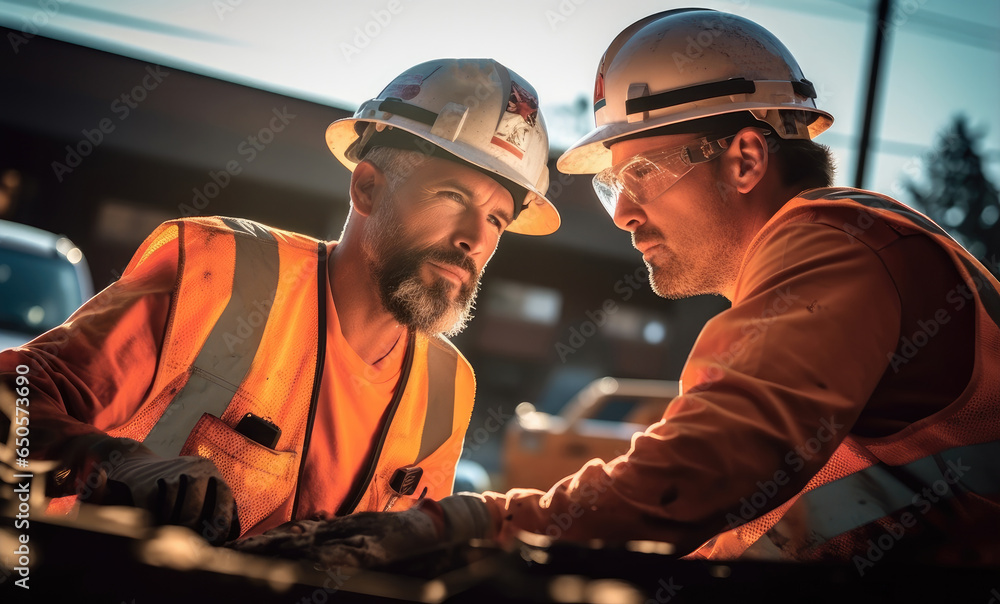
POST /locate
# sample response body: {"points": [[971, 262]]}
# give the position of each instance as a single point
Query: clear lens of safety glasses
{"points": [[645, 176]]}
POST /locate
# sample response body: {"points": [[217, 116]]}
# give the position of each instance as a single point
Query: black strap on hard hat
{"points": [[397, 106], [701, 92], [804, 88]]}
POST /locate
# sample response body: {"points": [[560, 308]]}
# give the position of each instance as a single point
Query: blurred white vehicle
{"points": [[540, 449], [43, 279]]}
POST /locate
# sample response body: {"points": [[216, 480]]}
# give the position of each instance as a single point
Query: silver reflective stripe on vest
{"points": [[880, 490], [442, 367], [225, 358]]}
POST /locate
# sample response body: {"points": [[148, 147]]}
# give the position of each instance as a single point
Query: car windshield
{"points": [[36, 293]]}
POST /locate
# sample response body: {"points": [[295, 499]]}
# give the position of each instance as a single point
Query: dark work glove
{"points": [[187, 491], [372, 539]]}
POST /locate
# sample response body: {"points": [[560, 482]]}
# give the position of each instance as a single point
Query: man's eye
{"points": [[498, 223], [633, 178], [641, 169]]}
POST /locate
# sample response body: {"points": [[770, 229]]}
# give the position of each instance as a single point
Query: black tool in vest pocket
{"points": [[403, 483], [259, 430]]}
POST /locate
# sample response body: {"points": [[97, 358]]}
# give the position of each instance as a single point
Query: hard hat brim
{"points": [[538, 217]]}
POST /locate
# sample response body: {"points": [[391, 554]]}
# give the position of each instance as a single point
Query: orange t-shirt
{"points": [[353, 399]]}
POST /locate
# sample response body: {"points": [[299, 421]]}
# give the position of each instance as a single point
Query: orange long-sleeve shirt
{"points": [[772, 386]]}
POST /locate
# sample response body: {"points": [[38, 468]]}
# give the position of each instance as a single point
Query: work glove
{"points": [[186, 491], [376, 539]]}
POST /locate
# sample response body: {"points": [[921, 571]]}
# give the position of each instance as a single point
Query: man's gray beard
{"points": [[427, 308], [396, 272]]}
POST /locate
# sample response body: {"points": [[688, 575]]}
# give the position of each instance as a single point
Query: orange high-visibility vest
{"points": [[875, 491], [247, 334]]}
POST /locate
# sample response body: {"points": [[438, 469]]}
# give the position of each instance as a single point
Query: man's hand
{"points": [[187, 491], [372, 539], [364, 540]]}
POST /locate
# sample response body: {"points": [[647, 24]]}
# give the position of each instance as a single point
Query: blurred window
{"points": [[523, 302], [636, 324]]}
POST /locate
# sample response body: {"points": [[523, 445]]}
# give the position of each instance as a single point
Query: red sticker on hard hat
{"points": [[517, 121], [599, 91], [404, 87]]}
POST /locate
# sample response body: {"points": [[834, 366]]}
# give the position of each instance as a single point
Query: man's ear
{"points": [[750, 150], [367, 182]]}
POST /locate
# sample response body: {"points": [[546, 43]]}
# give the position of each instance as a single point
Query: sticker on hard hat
{"points": [[599, 92], [404, 87], [517, 121]]}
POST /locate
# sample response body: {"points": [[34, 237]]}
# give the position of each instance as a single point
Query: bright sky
{"points": [[944, 57]]}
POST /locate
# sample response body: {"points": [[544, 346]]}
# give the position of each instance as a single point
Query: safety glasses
{"points": [[644, 177]]}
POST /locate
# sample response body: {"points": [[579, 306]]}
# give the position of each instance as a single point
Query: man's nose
{"points": [[628, 215]]}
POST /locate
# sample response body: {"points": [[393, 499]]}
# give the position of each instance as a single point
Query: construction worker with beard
{"points": [[844, 408], [238, 376]]}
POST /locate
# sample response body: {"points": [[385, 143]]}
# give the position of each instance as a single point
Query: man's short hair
{"points": [[802, 162], [396, 164]]}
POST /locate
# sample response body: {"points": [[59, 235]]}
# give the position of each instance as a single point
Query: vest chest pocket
{"points": [[261, 478]]}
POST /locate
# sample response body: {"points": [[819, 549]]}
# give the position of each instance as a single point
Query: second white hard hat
{"points": [[689, 64]]}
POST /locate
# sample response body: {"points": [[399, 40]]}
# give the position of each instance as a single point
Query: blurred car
{"points": [[599, 421], [43, 279]]}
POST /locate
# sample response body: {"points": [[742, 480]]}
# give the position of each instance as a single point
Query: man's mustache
{"points": [[451, 257], [641, 236]]}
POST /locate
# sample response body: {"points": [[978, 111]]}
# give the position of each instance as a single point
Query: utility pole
{"points": [[880, 30]]}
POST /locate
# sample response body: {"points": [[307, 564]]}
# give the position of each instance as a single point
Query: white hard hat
{"points": [[688, 64], [471, 110]]}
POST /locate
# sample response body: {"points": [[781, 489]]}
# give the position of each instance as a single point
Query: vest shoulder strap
{"points": [[224, 360], [442, 369], [979, 277]]}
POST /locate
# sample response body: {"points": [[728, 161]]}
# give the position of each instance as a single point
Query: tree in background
{"points": [[959, 197]]}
